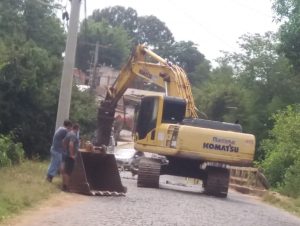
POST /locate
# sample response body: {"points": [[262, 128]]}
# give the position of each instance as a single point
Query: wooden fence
{"points": [[248, 180]]}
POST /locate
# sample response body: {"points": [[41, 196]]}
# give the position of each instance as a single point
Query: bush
{"points": [[10, 152], [275, 167], [282, 162], [292, 181]]}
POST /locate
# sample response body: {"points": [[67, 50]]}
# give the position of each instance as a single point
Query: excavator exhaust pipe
{"points": [[96, 174]]}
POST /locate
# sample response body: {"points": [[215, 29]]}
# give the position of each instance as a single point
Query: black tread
{"points": [[217, 181], [148, 174]]}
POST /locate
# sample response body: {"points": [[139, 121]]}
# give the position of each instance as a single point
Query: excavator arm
{"points": [[145, 64]]}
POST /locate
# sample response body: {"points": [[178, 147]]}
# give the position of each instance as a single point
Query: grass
{"points": [[289, 204], [23, 186]]}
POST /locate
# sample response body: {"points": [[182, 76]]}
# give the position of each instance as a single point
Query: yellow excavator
{"points": [[166, 125]]}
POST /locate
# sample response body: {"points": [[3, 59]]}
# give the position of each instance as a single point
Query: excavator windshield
{"points": [[173, 110], [147, 116]]}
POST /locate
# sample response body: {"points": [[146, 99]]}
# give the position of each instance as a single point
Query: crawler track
{"points": [[217, 181], [148, 174]]}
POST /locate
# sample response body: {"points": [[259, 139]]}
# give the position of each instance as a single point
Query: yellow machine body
{"points": [[200, 144], [192, 142]]}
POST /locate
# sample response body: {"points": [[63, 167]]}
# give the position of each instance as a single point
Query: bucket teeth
{"points": [[107, 193]]}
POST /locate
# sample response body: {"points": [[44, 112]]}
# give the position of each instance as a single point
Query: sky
{"points": [[214, 25]]}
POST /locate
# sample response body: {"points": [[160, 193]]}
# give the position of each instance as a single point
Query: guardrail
{"points": [[248, 180]]}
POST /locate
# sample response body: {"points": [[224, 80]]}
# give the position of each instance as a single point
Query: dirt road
{"points": [[170, 205]]}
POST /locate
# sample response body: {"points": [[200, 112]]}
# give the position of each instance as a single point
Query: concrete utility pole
{"points": [[93, 85], [67, 74]]}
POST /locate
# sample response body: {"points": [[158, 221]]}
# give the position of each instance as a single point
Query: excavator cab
{"points": [[155, 110]]}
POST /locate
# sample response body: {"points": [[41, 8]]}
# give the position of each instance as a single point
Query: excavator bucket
{"points": [[96, 174]]}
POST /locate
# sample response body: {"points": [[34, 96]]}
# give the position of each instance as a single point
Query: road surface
{"points": [[175, 203]]}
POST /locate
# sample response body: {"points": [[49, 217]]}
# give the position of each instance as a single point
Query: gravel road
{"points": [[173, 204]]}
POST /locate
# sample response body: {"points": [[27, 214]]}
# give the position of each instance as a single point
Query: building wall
{"points": [[105, 77]]}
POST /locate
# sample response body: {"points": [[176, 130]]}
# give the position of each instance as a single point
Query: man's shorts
{"points": [[68, 165]]}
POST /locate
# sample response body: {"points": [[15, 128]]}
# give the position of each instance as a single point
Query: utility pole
{"points": [[65, 94], [93, 85]]}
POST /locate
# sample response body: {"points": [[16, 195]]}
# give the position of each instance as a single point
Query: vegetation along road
{"points": [[172, 204]]}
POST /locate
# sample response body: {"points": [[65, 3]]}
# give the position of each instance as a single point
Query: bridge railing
{"points": [[248, 180]]}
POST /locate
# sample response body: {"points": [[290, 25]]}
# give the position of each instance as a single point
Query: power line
{"points": [[94, 44], [191, 18], [237, 2]]}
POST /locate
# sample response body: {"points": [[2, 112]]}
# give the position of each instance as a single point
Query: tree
{"points": [[288, 12], [30, 65], [147, 30], [114, 45], [220, 97], [43, 27], [25, 83], [200, 74], [11, 20], [118, 16], [282, 151], [84, 112], [184, 54], [144, 29], [266, 77], [153, 32], [28, 20]]}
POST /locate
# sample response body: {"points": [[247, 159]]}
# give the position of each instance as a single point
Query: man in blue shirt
{"points": [[57, 149], [71, 142]]}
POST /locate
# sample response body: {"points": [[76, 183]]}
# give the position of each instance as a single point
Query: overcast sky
{"points": [[213, 25]]}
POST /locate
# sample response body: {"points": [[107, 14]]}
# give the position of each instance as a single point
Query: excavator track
{"points": [[148, 174], [217, 181]]}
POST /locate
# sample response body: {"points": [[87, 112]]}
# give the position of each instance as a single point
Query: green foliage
{"points": [[114, 45], [23, 186], [43, 27], [275, 166], [31, 43], [84, 111], [10, 152], [282, 151], [292, 180], [200, 74], [26, 83], [118, 16], [265, 81], [288, 12], [11, 21], [221, 98], [144, 29], [184, 54], [153, 32]]}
